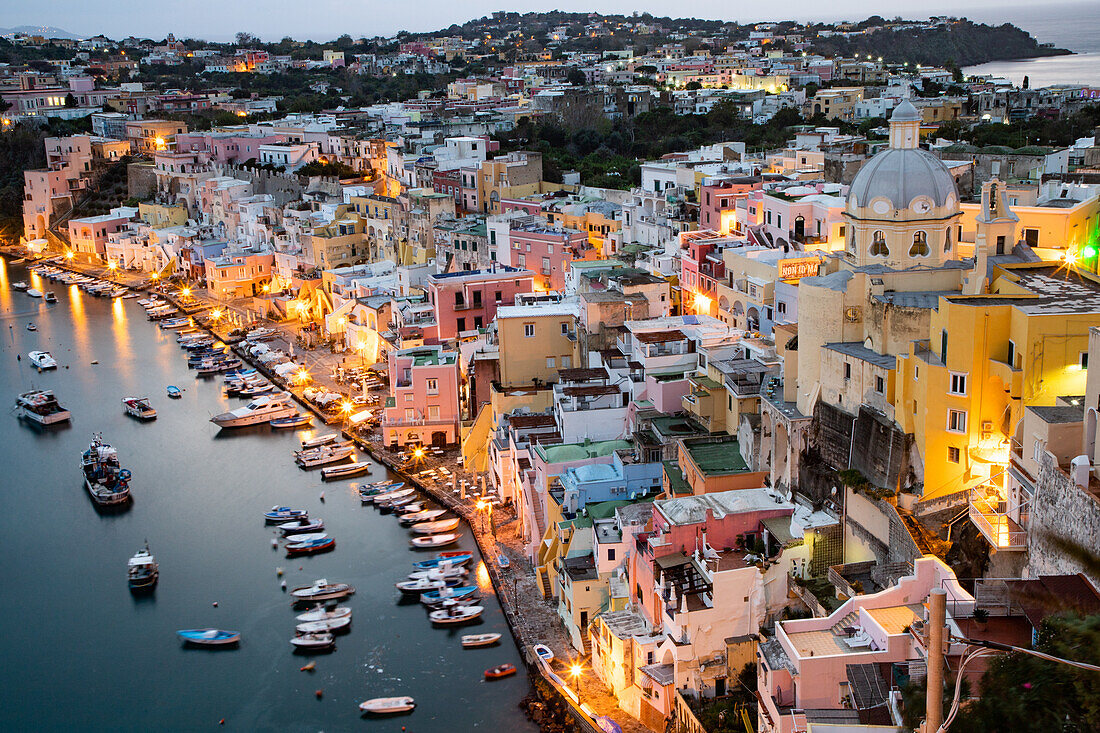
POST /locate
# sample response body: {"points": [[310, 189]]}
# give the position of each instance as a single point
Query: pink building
{"points": [[548, 252], [718, 199], [88, 236], [701, 267], [424, 408], [45, 193], [225, 147], [465, 301]]}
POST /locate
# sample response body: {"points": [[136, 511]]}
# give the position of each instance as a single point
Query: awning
{"points": [[360, 417]]}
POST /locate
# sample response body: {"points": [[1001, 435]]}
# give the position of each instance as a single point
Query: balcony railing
{"points": [[401, 421], [989, 513]]}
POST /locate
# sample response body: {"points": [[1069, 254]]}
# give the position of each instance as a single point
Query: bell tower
{"points": [[996, 234]]}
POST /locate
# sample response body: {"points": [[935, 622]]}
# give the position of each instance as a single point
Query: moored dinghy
{"points": [[320, 613], [455, 614], [348, 469], [285, 514], [209, 637], [311, 547], [302, 526], [473, 641], [314, 642], [324, 626], [388, 705], [435, 540], [318, 440], [139, 407], [174, 392], [321, 590]]}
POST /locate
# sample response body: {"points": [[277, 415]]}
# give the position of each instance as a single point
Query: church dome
{"points": [[902, 177]]}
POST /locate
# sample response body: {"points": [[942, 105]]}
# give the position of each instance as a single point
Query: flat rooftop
{"points": [[716, 457], [563, 452], [693, 509]]}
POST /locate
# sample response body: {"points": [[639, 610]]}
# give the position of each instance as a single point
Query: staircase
{"points": [[547, 591], [586, 643], [850, 620]]}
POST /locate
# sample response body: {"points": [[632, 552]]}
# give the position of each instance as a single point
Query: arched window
{"points": [[947, 239], [920, 245], [878, 244]]}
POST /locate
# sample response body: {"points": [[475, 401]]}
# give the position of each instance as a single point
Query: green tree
{"points": [[575, 77]]}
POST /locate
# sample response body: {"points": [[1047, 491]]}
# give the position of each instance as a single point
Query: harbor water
{"points": [[82, 653]]}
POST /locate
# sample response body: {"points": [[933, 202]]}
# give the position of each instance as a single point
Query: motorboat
{"points": [[174, 392], [544, 652], [300, 420], [388, 705], [413, 508], [318, 440], [259, 389], [473, 641], [427, 515], [215, 366], [451, 593], [50, 297], [395, 505], [323, 626], [453, 557], [142, 571], [261, 409], [324, 454], [443, 571], [347, 469], [455, 614], [418, 587], [139, 407], [321, 590], [301, 526], [34, 292], [500, 671], [308, 537], [314, 642], [285, 514], [320, 613], [435, 540], [19, 285], [42, 407], [383, 499], [104, 478], [312, 547], [437, 527], [209, 637], [32, 327], [42, 360]]}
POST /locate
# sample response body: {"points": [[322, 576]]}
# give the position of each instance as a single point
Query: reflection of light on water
{"points": [[484, 584]]}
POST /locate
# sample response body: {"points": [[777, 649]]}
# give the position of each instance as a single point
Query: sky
{"points": [[323, 20]]}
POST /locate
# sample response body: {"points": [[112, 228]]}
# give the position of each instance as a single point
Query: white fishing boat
{"points": [[42, 360], [456, 614], [19, 285], [34, 292], [139, 407], [388, 705], [142, 571], [319, 440], [321, 590], [261, 409], [391, 496], [307, 537], [313, 642], [320, 613], [42, 407], [428, 515], [435, 540], [323, 626], [324, 454], [345, 470], [436, 527], [302, 526], [473, 641], [104, 478], [442, 571]]}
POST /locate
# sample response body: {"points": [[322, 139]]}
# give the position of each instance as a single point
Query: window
{"points": [[497, 296], [433, 412], [564, 328], [947, 240], [1037, 450], [956, 421], [878, 244], [610, 553], [566, 362], [920, 245], [1083, 360], [460, 325], [528, 330], [550, 362], [958, 384], [847, 370], [943, 346], [479, 321], [1001, 245], [952, 454], [1031, 237], [432, 386], [545, 265], [880, 385], [1011, 358], [781, 307]]}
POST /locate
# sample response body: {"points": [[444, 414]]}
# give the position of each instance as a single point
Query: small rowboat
{"points": [[544, 652], [320, 613], [499, 671], [435, 540], [415, 508], [321, 590], [324, 626], [388, 705], [309, 537], [453, 557], [318, 440], [455, 615], [314, 642], [209, 637], [174, 392], [439, 527], [296, 421], [473, 641], [348, 469], [312, 547], [285, 514], [302, 526], [436, 598], [503, 562]]}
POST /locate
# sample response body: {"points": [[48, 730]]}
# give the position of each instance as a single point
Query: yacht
{"points": [[42, 407], [262, 409], [42, 360], [106, 480]]}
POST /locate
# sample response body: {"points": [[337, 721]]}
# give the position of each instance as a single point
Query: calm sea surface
{"points": [[81, 653]]}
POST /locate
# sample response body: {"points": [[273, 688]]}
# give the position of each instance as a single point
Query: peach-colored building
{"points": [[239, 274], [466, 301], [88, 236], [424, 407]]}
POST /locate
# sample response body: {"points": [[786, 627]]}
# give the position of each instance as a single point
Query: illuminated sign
{"points": [[795, 269]]}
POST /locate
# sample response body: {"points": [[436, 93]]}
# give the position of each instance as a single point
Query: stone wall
{"points": [[141, 180], [1061, 514], [282, 187]]}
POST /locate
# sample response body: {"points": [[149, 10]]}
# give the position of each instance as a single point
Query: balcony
{"points": [[416, 421], [990, 513]]}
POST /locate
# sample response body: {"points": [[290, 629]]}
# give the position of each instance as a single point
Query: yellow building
{"points": [[343, 241], [1051, 225], [962, 392], [159, 216], [535, 342], [596, 219]]}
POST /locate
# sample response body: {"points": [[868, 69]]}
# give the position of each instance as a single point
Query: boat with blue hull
{"points": [[209, 637]]}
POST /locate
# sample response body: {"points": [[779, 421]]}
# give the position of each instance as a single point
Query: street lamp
{"points": [[69, 255]]}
